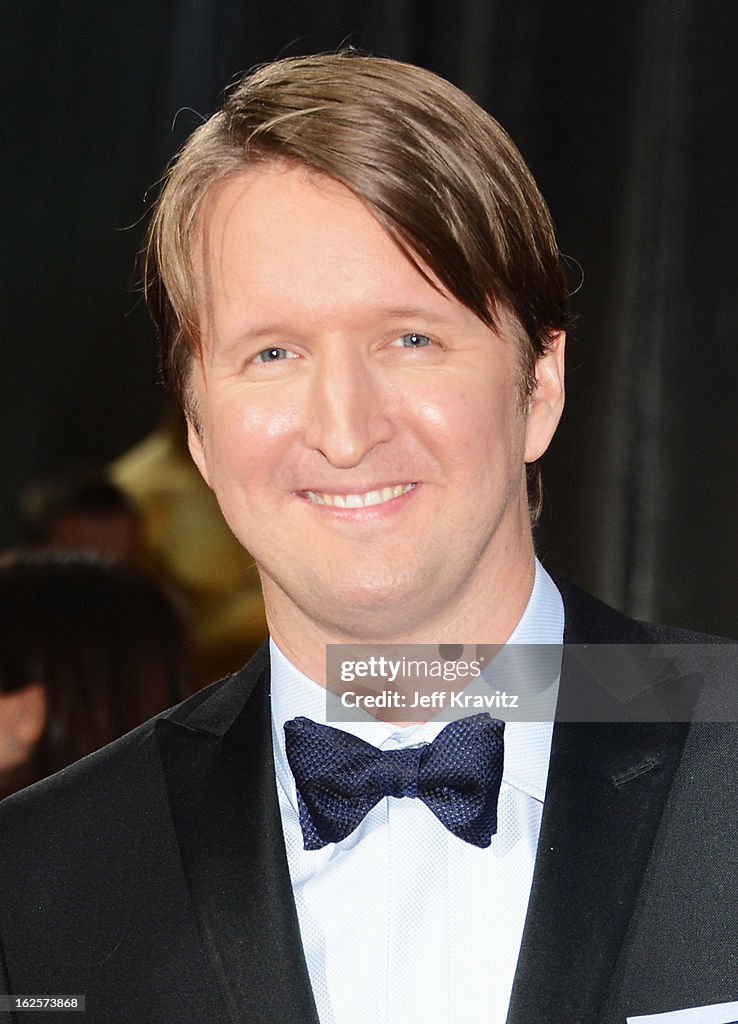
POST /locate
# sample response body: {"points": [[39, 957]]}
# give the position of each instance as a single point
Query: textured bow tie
{"points": [[340, 778]]}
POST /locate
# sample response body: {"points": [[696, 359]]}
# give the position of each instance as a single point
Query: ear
{"points": [[547, 401], [197, 448]]}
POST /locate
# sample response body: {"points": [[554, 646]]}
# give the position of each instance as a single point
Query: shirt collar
{"points": [[527, 744]]}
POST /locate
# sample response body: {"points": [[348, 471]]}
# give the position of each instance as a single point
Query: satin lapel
{"points": [[606, 791], [219, 769]]}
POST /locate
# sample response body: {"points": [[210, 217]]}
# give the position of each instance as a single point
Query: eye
{"points": [[412, 340], [274, 355]]}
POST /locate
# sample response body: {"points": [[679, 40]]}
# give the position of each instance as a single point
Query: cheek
{"points": [[247, 439], [477, 431]]}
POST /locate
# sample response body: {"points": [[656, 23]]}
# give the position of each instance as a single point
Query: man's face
{"points": [[362, 431]]}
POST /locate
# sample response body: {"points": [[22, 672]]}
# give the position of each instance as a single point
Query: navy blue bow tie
{"points": [[340, 778]]}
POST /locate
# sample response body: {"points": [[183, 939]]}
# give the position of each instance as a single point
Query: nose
{"points": [[349, 408]]}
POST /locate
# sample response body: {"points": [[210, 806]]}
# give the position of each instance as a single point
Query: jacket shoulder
{"points": [[591, 621]]}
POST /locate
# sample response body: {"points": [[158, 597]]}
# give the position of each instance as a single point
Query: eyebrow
{"points": [[277, 329], [413, 313]]}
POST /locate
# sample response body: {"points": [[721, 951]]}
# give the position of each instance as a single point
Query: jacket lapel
{"points": [[219, 770], [606, 790]]}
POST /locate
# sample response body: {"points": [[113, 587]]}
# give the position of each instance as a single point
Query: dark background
{"points": [[626, 114]]}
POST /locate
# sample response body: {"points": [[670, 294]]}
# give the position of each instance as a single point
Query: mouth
{"points": [[364, 500]]}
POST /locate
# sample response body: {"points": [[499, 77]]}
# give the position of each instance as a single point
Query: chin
{"points": [[384, 612]]}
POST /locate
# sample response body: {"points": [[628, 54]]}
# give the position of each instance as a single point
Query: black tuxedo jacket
{"points": [[152, 878]]}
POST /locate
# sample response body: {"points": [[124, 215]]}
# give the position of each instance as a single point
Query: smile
{"points": [[364, 500]]}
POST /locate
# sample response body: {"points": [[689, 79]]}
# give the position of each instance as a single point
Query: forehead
{"points": [[288, 219]]}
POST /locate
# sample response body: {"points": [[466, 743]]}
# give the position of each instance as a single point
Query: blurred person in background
{"points": [[151, 509], [88, 651], [81, 510]]}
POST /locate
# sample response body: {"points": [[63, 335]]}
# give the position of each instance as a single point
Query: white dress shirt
{"points": [[403, 921]]}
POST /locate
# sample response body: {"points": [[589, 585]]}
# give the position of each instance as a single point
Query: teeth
{"points": [[359, 500]]}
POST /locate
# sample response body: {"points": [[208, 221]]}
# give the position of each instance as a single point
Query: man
{"points": [[362, 310]]}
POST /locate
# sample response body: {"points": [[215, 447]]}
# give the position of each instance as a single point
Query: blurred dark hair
{"points": [[110, 648], [82, 491]]}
